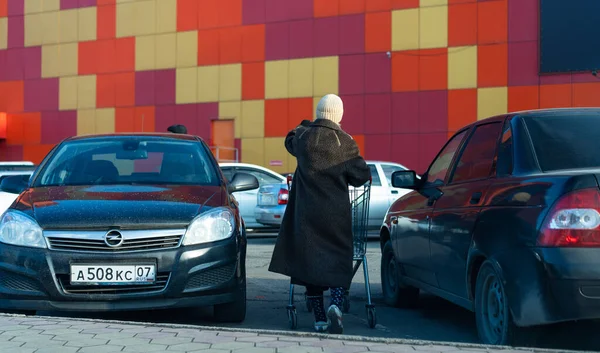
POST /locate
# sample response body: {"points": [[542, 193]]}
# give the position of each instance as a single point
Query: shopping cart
{"points": [[359, 199]]}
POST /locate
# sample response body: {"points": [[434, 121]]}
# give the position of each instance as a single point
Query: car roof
{"points": [[137, 134], [248, 165], [537, 113]]}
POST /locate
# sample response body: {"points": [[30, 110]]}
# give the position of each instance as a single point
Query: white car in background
{"points": [[272, 198], [247, 199], [24, 169]]}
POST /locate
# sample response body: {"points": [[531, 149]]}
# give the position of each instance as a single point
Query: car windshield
{"points": [[564, 142], [128, 160]]}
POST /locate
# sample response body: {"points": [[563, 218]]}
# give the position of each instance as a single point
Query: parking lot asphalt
{"points": [[434, 319]]}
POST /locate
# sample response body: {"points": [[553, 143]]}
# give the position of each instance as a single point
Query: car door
{"points": [[411, 216], [248, 199], [455, 212], [379, 203]]}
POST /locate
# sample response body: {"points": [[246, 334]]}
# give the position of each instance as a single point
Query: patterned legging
{"points": [[315, 295]]}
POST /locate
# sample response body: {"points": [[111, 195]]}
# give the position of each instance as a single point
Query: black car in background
{"points": [[505, 222], [125, 222]]}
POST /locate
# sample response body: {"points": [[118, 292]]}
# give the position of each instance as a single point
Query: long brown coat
{"points": [[315, 245]]}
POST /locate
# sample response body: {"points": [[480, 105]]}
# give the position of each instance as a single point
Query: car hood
{"points": [[123, 206]]}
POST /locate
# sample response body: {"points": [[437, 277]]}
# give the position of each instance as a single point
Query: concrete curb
{"points": [[351, 338]]}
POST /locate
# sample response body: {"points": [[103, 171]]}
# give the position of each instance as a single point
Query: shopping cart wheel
{"points": [[309, 307], [346, 303], [292, 318], [371, 316]]}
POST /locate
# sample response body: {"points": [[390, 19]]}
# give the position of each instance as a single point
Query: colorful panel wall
{"points": [[410, 72]]}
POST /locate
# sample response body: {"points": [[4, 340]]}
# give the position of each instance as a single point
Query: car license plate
{"points": [[267, 200], [113, 274]]}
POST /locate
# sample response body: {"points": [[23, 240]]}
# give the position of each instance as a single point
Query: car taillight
{"points": [[282, 197], [574, 221]]}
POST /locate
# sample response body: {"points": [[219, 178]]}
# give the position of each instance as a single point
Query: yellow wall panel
{"points": [[491, 101], [301, 78], [67, 93], [32, 6], [125, 19], [274, 151], [87, 23], [405, 29], [325, 75], [51, 60], [50, 27], [276, 79], [186, 85], [145, 53], [105, 121], [253, 151], [427, 3], [68, 26], [166, 16], [315, 103], [253, 119], [230, 82], [3, 33], [85, 122], [207, 84], [69, 59], [187, 49], [232, 110], [166, 51], [292, 163], [145, 17], [50, 5], [433, 27], [34, 33], [86, 92], [462, 67]]}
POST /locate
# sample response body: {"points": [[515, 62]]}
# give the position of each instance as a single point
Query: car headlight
{"points": [[214, 225], [19, 229]]}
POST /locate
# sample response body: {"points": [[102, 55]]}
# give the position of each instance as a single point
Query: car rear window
{"points": [[129, 160], [564, 142]]}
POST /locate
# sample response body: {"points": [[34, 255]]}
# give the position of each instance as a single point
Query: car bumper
{"points": [[549, 285], [269, 215], [38, 279]]}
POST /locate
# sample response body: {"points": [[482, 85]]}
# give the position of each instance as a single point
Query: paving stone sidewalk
{"points": [[22, 334]]}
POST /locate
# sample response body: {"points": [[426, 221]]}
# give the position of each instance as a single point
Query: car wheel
{"points": [[495, 324], [395, 293], [233, 311]]}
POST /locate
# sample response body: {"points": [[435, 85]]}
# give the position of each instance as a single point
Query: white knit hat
{"points": [[330, 107]]}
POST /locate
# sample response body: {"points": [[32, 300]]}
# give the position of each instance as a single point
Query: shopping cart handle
{"points": [[370, 180]]}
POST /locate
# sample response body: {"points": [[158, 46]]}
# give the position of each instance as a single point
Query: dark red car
{"points": [[505, 222]]}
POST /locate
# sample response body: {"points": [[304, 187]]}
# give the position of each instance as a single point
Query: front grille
{"points": [[128, 245], [162, 279], [211, 277], [18, 282]]}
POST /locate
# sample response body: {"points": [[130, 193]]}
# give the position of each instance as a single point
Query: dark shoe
{"points": [[334, 320]]}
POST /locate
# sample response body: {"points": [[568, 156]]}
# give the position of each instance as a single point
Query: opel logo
{"points": [[113, 238]]}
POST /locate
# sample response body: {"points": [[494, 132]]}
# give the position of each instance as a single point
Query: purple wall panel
{"points": [[326, 36], [378, 147], [428, 146], [378, 73], [405, 112], [164, 116], [15, 65], [16, 8], [378, 113], [278, 10], [253, 11], [16, 31], [352, 74], [207, 112], [41, 95], [69, 4], [301, 39], [32, 62], [405, 150], [57, 126], [353, 120], [522, 20], [433, 111], [277, 44], [299, 9], [352, 34], [523, 63], [3, 68], [87, 3], [144, 87], [187, 114], [164, 89], [11, 152], [555, 79]]}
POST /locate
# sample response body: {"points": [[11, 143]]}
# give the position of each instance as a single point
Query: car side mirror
{"points": [[15, 184], [405, 179], [242, 182]]}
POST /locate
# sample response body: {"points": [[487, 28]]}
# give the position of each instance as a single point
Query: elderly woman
{"points": [[315, 246]]}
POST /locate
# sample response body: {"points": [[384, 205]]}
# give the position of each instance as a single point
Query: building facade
{"points": [[242, 73]]}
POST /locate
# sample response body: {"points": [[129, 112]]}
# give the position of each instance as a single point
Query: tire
{"points": [[233, 312], [395, 293], [495, 325]]}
